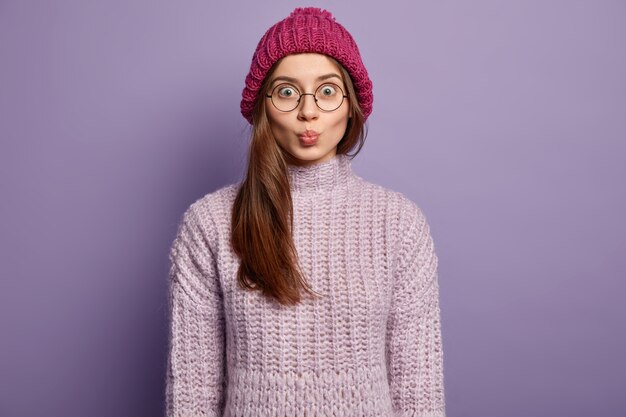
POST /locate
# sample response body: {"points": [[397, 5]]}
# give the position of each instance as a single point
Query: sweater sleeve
{"points": [[195, 363], [413, 340]]}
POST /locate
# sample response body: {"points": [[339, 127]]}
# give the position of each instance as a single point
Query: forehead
{"points": [[306, 66]]}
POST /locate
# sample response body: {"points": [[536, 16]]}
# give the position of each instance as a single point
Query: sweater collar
{"points": [[321, 176]]}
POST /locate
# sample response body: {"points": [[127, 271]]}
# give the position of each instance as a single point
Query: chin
{"points": [[309, 156]]}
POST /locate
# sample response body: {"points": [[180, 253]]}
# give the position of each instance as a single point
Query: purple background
{"points": [[503, 120]]}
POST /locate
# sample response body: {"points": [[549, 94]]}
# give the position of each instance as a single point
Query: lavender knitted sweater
{"points": [[370, 347]]}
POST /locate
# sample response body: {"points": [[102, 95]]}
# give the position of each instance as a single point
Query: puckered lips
{"points": [[308, 137]]}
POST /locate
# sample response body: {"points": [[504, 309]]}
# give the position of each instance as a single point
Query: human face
{"points": [[307, 135]]}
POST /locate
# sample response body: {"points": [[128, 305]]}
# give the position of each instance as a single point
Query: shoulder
{"points": [[207, 212], [214, 200], [398, 204]]}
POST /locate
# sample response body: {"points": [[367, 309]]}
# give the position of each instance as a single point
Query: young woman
{"points": [[304, 290]]}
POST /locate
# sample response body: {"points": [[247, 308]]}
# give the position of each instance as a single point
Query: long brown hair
{"points": [[262, 215]]}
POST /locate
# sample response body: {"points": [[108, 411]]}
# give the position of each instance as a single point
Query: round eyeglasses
{"points": [[286, 97]]}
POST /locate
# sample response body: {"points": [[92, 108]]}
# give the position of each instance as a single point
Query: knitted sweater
{"points": [[370, 347]]}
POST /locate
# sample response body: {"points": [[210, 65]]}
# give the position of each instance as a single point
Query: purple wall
{"points": [[504, 121]]}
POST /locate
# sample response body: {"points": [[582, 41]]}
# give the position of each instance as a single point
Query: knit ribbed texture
{"points": [[370, 347]]}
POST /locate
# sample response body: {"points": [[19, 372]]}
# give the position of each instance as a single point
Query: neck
{"points": [[320, 177]]}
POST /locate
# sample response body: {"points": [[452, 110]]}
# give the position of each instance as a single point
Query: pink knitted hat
{"points": [[308, 29]]}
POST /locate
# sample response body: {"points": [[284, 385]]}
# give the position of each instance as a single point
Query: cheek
{"points": [[277, 126], [341, 122], [274, 121]]}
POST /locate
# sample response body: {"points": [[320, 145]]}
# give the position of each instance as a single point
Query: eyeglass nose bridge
{"points": [[307, 94]]}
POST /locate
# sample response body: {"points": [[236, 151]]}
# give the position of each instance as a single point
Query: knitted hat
{"points": [[307, 29]]}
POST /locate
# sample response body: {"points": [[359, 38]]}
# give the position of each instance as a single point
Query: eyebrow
{"points": [[294, 80]]}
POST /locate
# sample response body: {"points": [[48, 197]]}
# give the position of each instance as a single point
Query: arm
{"points": [[195, 364], [414, 347]]}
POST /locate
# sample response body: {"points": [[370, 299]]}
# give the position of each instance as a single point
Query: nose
{"points": [[307, 108]]}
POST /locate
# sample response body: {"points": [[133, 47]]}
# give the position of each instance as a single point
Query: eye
{"points": [[286, 91], [328, 90]]}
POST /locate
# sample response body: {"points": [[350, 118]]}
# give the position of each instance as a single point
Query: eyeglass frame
{"points": [[343, 97]]}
